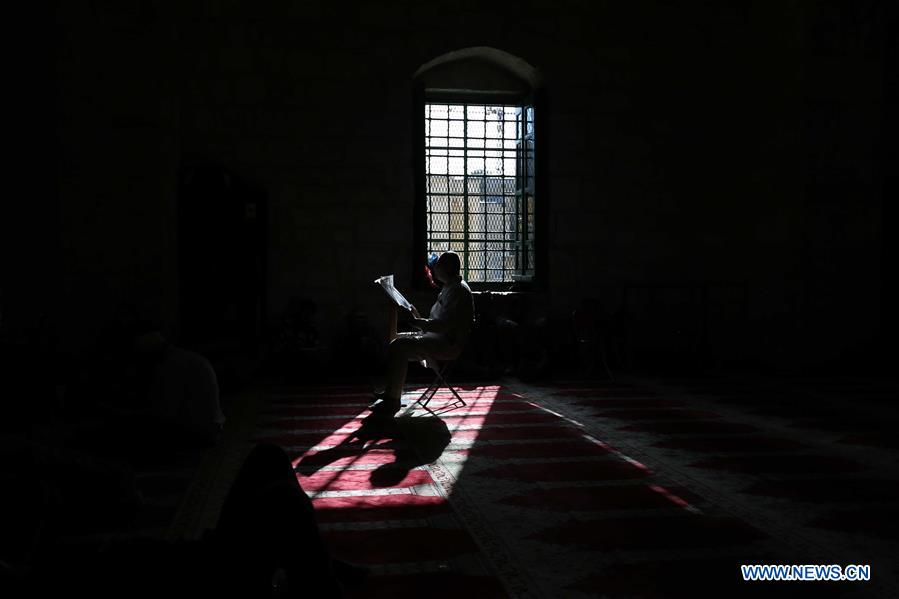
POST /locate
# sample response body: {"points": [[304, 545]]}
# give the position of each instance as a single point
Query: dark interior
{"points": [[716, 187]]}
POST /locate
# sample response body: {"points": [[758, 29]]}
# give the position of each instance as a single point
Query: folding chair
{"points": [[440, 368]]}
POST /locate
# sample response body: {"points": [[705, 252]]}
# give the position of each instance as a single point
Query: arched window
{"points": [[476, 153]]}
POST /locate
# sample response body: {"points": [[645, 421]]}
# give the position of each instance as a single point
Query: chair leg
{"points": [[425, 398], [453, 391], [434, 387]]}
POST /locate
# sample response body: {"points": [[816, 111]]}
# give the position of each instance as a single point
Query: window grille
{"points": [[479, 186]]}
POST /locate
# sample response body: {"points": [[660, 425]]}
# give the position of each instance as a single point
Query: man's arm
{"points": [[455, 316], [431, 325], [424, 324]]}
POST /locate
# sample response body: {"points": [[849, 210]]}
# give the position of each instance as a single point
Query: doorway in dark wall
{"points": [[221, 244]]}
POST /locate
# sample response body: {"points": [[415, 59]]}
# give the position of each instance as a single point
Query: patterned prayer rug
{"points": [[585, 489]]}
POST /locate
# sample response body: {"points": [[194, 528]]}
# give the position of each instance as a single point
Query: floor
{"points": [[641, 488]]}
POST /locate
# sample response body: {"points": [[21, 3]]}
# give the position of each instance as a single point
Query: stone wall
{"points": [[721, 146]]}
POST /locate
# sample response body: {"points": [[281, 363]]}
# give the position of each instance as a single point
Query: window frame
{"points": [[421, 97]]}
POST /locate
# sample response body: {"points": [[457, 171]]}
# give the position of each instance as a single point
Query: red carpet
{"points": [[400, 545], [782, 464], [379, 503], [570, 490], [691, 578], [673, 532], [733, 443], [791, 471], [379, 507], [599, 498], [438, 586], [376, 499]]}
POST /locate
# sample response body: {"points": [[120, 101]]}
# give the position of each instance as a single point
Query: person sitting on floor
{"points": [[443, 333], [266, 543], [183, 391]]}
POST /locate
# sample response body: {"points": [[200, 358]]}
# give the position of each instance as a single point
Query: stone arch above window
{"points": [[475, 137], [480, 70]]}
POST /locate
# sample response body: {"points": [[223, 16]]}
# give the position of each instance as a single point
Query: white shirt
{"points": [[185, 390], [452, 314]]}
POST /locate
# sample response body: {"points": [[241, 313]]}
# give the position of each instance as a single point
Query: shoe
{"points": [[385, 406], [379, 399]]}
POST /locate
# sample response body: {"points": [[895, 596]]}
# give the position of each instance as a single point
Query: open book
{"points": [[386, 283]]}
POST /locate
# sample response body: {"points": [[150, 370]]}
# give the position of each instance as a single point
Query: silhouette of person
{"points": [[268, 523], [183, 390], [443, 333], [266, 543]]}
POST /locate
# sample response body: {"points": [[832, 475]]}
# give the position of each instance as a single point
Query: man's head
{"points": [[448, 267]]}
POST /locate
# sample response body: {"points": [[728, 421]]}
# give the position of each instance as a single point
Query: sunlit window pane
{"points": [[474, 189]]}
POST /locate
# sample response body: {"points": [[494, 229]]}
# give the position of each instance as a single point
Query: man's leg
{"points": [[401, 350], [404, 349]]}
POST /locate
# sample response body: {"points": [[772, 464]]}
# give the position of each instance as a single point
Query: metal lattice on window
{"points": [[479, 176]]}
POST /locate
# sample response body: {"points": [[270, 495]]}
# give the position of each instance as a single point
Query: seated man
{"points": [[183, 391], [443, 333]]}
